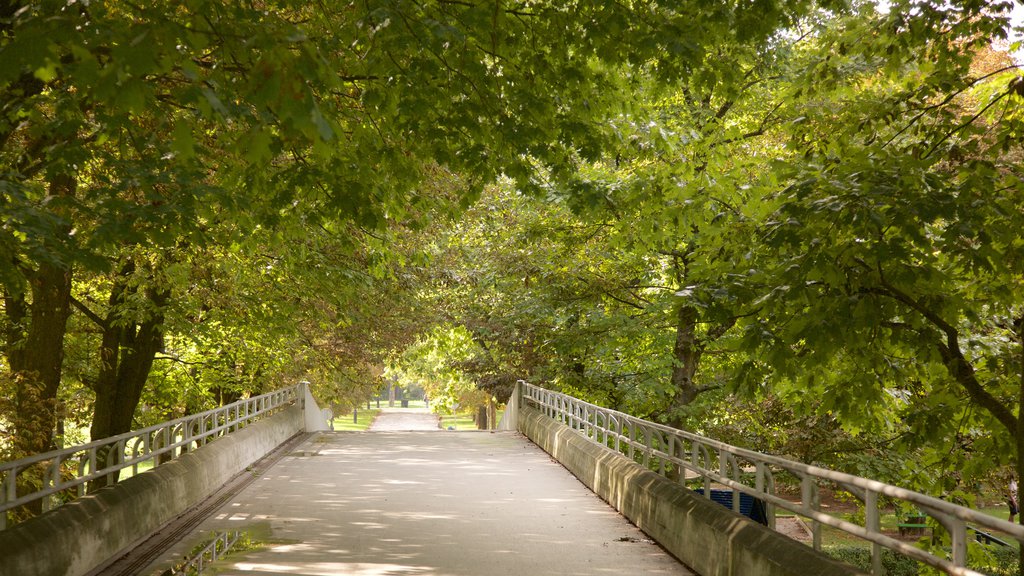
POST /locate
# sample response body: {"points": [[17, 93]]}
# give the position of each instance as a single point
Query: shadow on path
{"points": [[418, 503], [404, 419]]}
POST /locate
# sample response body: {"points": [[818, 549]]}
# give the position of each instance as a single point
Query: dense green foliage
{"points": [[155, 157], [988, 560], [795, 226], [821, 260]]}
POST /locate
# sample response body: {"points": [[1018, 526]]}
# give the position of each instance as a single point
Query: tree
{"points": [[890, 287], [846, 204], [130, 124]]}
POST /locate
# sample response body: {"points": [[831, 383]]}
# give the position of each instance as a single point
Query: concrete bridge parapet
{"points": [[707, 537], [81, 535]]}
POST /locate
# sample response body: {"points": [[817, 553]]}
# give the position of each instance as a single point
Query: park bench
{"points": [[753, 508], [986, 538], [913, 525]]}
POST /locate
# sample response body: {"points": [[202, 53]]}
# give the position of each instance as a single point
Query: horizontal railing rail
{"points": [[59, 475], [687, 457]]}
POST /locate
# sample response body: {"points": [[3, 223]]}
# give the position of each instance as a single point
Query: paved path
{"points": [[404, 419], [427, 504]]}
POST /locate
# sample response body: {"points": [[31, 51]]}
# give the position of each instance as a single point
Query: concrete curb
{"points": [[77, 537], [709, 538]]}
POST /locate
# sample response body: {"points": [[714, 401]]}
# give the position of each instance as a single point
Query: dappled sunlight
{"points": [[414, 516], [431, 504], [336, 568]]}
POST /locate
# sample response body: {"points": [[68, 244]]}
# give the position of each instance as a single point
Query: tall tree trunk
{"points": [[1019, 432], [686, 356], [227, 394], [127, 351], [37, 364], [481, 417], [35, 350], [36, 345]]}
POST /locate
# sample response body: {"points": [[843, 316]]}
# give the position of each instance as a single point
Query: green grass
{"points": [[462, 421], [143, 466], [364, 418], [398, 404], [889, 522]]}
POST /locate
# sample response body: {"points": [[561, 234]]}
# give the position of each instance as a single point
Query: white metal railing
{"points": [[675, 453], [65, 473], [196, 564]]}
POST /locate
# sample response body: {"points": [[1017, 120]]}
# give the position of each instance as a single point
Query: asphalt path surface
{"points": [[438, 503], [404, 420]]}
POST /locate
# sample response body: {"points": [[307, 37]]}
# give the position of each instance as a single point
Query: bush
{"points": [[997, 561], [895, 564]]}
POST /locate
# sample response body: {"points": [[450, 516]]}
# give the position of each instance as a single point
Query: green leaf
{"points": [[182, 141], [46, 73]]}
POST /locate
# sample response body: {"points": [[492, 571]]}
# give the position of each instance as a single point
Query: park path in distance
{"points": [[404, 419], [437, 503]]}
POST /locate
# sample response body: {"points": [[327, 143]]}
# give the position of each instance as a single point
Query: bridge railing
{"points": [[61, 475], [687, 457]]}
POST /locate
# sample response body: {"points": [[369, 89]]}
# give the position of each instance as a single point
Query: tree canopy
{"points": [[792, 224]]}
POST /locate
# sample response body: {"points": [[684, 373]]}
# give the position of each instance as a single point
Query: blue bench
{"points": [[750, 507]]}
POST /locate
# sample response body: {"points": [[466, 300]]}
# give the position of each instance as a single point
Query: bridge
{"points": [[261, 486]]}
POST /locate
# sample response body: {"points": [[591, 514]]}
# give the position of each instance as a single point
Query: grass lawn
{"points": [[889, 522], [143, 467], [462, 421], [364, 417], [398, 404]]}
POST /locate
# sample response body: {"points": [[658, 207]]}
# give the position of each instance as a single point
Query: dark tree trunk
{"points": [[35, 345], [481, 417], [127, 352], [36, 362], [34, 348], [1019, 431], [686, 356], [226, 395]]}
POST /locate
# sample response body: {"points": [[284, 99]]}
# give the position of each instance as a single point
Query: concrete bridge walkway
{"points": [[422, 503]]}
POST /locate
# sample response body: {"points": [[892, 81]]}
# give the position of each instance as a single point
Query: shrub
{"points": [[996, 561], [1000, 561], [895, 564]]}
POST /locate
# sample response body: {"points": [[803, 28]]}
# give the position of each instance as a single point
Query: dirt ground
{"points": [[794, 528]]}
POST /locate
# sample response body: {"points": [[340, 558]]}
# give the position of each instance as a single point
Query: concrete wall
{"points": [[77, 537], [707, 537]]}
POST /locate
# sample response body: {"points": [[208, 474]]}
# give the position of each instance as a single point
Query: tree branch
{"points": [[99, 321], [952, 357]]}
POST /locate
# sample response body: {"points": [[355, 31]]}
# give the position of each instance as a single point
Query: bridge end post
{"points": [[510, 420], [312, 416]]}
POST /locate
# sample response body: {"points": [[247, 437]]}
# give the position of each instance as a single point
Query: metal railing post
{"points": [[872, 521], [67, 471], [575, 414]]}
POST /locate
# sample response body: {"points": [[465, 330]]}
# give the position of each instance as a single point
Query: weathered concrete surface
{"points": [[81, 535], [404, 419], [710, 538], [426, 503]]}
